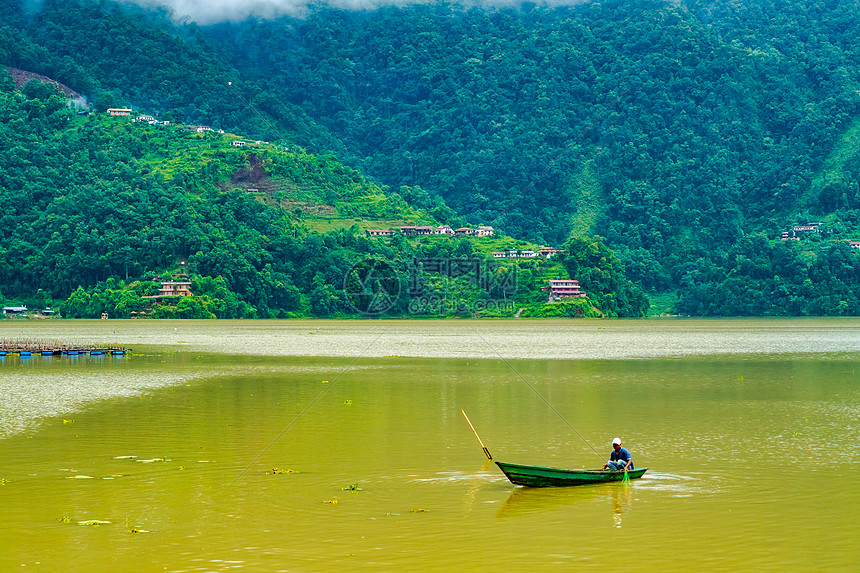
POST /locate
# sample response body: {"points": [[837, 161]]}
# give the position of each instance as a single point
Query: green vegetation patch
{"points": [[573, 308]]}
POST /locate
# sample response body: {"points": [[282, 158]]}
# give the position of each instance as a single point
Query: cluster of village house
{"points": [[480, 231], [547, 252], [798, 231], [122, 111], [412, 230], [815, 228], [126, 112]]}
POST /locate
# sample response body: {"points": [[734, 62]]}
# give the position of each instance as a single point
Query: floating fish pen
{"points": [[27, 348]]}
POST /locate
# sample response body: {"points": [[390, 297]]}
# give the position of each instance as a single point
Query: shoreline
{"points": [[550, 339]]}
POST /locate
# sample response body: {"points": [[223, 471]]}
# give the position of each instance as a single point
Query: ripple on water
{"points": [[679, 485], [455, 477]]}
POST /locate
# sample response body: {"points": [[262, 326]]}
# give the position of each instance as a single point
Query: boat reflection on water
{"points": [[622, 502], [529, 500]]}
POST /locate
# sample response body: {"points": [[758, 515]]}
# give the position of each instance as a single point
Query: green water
{"points": [[750, 429]]}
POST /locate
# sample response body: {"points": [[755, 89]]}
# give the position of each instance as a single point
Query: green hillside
{"points": [[100, 210], [678, 132], [835, 181], [687, 136]]}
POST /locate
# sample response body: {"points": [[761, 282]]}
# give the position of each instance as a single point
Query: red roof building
{"points": [[173, 288], [564, 288]]}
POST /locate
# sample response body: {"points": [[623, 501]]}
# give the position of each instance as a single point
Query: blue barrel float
{"points": [[28, 348]]}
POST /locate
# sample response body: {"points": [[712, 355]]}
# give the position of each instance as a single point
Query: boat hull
{"points": [[539, 476]]}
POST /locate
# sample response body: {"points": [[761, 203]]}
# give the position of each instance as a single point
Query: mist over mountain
{"points": [[211, 11], [214, 11]]}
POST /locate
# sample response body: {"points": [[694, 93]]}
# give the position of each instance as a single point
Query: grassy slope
{"points": [[328, 195], [833, 169], [295, 180], [587, 198]]}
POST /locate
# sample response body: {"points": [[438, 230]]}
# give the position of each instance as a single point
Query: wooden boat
{"points": [[539, 476]]}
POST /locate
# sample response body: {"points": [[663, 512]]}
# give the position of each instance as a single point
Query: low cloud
{"points": [[212, 11]]}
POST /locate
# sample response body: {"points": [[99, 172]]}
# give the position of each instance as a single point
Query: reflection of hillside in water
{"points": [[527, 500]]}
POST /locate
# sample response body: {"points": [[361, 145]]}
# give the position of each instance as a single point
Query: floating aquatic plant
{"points": [[94, 522], [65, 519], [3, 481], [134, 528], [347, 402], [331, 501], [279, 471], [351, 487]]}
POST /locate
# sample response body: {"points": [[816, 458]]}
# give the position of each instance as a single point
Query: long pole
{"points": [[483, 447]]}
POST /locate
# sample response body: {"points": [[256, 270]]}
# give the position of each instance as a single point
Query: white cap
{"points": [[616, 441]]}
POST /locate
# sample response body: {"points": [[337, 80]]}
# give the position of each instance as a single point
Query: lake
{"points": [[340, 446]]}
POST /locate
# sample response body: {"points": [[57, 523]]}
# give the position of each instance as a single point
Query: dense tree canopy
{"points": [[687, 135], [101, 209], [688, 125]]}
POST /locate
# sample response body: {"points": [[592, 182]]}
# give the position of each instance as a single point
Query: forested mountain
{"points": [[100, 210], [676, 132], [689, 136]]}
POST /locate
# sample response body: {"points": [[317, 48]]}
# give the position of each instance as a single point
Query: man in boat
{"points": [[620, 458]]}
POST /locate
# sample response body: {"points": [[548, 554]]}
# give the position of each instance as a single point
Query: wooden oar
{"points": [[486, 451]]}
